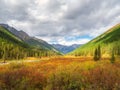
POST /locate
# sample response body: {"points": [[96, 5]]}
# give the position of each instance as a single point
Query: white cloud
{"points": [[26, 26], [63, 41], [53, 20], [79, 41]]}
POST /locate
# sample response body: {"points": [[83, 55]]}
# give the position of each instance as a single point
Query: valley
{"points": [[29, 63]]}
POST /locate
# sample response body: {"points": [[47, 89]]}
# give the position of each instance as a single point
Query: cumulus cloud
{"points": [[56, 20]]}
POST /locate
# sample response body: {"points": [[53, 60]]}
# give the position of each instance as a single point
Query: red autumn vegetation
{"points": [[61, 74]]}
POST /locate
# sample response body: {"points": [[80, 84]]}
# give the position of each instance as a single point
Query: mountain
{"points": [[14, 47], [21, 34], [109, 42], [35, 42], [65, 49]]}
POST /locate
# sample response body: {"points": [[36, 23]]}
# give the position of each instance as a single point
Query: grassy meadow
{"points": [[60, 73]]}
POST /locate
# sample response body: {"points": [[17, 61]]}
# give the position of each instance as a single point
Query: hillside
{"points": [[38, 43], [109, 42], [21, 34], [65, 49], [13, 47], [35, 42]]}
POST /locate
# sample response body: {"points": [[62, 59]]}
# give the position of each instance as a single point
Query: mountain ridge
{"points": [[109, 42], [13, 47], [39, 43]]}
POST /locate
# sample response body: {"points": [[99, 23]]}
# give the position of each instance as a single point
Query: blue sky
{"points": [[73, 40], [61, 21]]}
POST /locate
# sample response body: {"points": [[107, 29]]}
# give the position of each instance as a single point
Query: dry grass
{"points": [[61, 73]]}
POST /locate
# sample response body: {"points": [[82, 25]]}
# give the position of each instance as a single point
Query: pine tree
{"points": [[97, 54], [112, 59]]}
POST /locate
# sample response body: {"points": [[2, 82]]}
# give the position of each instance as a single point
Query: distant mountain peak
{"points": [[66, 49]]}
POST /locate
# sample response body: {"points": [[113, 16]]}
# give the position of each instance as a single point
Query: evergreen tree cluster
{"points": [[10, 51], [112, 59]]}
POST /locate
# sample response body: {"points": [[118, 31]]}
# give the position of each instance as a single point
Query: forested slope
{"points": [[108, 42]]}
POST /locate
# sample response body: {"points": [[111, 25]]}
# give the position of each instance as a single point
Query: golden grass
{"points": [[61, 73]]}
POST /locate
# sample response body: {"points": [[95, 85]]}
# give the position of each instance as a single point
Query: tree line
{"points": [[10, 51]]}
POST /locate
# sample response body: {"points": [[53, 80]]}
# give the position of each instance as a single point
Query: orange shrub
{"points": [[61, 73]]}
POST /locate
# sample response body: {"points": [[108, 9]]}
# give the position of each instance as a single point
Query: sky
{"points": [[64, 22]]}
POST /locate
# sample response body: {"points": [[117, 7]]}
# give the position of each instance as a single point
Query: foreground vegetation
{"points": [[60, 73]]}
